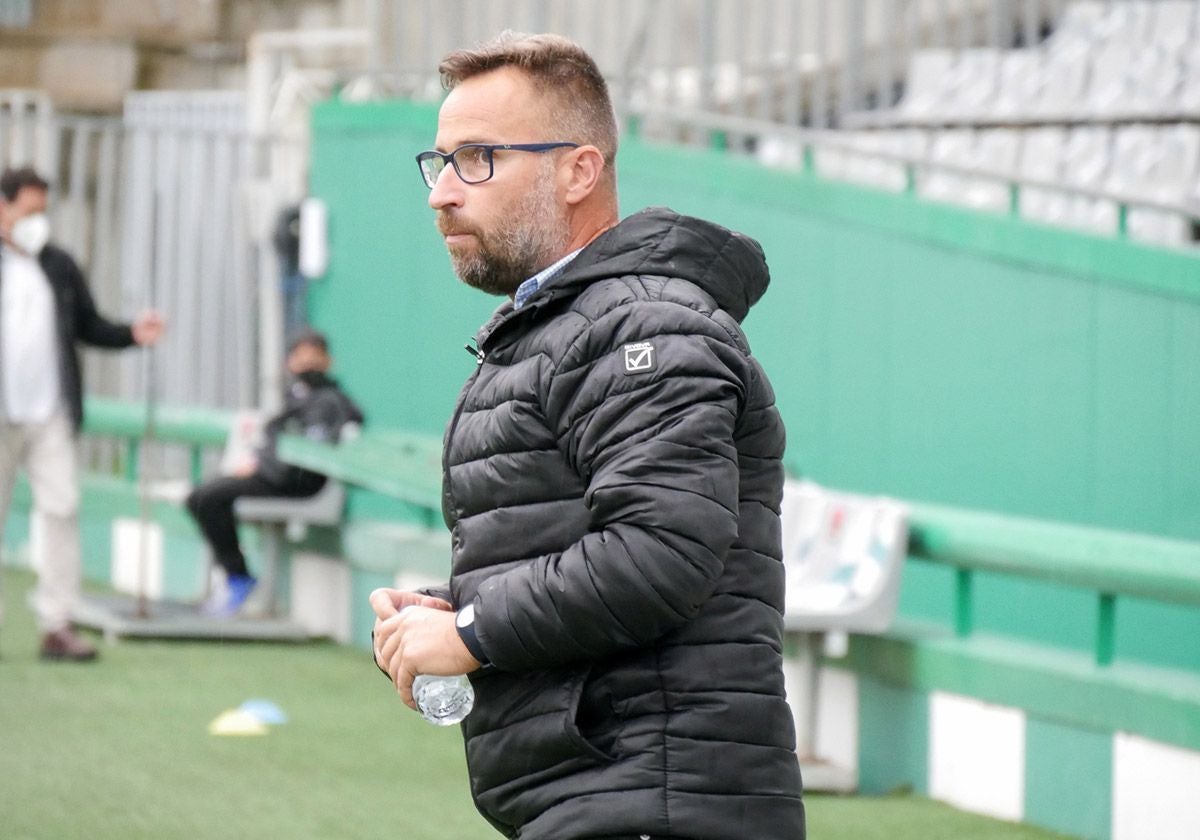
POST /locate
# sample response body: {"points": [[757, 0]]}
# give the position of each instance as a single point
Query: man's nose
{"points": [[447, 190]]}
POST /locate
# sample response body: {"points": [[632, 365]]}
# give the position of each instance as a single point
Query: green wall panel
{"points": [[95, 536], [1036, 610], [926, 591], [15, 533], [893, 738], [1132, 410], [185, 564], [1068, 779], [1160, 634], [1182, 441]]}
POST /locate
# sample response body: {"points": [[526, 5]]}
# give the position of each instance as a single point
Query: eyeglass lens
{"points": [[473, 164]]}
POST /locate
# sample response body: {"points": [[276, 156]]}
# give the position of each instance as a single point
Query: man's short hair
{"points": [[13, 180], [581, 109], [309, 337]]}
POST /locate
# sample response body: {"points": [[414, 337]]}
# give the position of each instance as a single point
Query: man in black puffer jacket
{"points": [[612, 483]]}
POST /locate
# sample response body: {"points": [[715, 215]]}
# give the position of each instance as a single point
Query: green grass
{"points": [[119, 750]]}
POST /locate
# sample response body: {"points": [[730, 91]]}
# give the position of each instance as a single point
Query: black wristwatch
{"points": [[464, 622]]}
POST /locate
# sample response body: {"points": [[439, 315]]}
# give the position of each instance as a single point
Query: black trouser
{"points": [[211, 504]]}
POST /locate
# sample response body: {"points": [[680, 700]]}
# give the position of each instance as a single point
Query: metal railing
{"points": [[1111, 564], [198, 430]]}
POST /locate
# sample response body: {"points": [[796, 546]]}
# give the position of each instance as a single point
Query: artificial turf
{"points": [[120, 750]]}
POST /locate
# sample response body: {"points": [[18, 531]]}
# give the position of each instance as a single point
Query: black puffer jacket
{"points": [[613, 480]]}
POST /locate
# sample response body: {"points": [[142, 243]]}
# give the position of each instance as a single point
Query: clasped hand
{"points": [[422, 640]]}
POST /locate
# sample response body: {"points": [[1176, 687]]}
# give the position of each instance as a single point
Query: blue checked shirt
{"points": [[529, 288]]}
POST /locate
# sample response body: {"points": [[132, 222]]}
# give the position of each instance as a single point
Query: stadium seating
{"points": [[1110, 102]]}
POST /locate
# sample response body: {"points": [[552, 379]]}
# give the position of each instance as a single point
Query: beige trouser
{"points": [[47, 453]]}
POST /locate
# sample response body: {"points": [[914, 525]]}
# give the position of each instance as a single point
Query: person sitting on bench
{"points": [[315, 407]]}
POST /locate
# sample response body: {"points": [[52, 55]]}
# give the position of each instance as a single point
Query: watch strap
{"points": [[466, 632]]}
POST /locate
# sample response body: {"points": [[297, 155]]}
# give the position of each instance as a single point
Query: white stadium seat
{"points": [[972, 81], [1040, 159], [953, 146], [1020, 80], [1085, 163], [1155, 80], [862, 163], [1126, 22], [927, 88], [1173, 24], [1188, 97], [1080, 24], [996, 150], [1110, 83], [1066, 74], [1156, 164]]}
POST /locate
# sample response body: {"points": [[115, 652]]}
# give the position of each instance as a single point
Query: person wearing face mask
{"points": [[315, 407], [46, 310]]}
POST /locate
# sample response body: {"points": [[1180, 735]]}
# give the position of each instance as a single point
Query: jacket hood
{"points": [[727, 265]]}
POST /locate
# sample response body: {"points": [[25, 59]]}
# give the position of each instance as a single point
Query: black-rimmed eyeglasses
{"points": [[473, 161]]}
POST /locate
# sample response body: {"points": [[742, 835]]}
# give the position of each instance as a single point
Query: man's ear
{"points": [[583, 174]]}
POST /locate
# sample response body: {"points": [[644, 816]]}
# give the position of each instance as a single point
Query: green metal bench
{"points": [[403, 465]]}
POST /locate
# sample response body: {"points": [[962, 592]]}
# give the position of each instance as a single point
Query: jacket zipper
{"points": [[476, 352], [448, 491]]}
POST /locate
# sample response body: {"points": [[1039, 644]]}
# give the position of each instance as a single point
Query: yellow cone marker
{"points": [[236, 722]]}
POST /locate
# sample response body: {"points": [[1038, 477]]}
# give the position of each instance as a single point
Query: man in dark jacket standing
{"points": [[315, 407], [45, 311], [612, 482]]}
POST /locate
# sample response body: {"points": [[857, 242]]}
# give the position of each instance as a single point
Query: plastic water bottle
{"points": [[443, 701]]}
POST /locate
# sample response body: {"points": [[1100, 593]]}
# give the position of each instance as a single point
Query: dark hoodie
{"points": [[612, 484], [315, 407]]}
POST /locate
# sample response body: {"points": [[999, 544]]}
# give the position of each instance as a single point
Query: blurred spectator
{"points": [[45, 310], [317, 408]]}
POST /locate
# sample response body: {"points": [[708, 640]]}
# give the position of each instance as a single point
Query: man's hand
{"points": [[148, 328], [421, 640]]}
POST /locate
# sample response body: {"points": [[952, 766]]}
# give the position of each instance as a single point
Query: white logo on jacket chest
{"points": [[639, 357]]}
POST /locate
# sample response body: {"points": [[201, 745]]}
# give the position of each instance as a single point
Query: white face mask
{"points": [[31, 233]]}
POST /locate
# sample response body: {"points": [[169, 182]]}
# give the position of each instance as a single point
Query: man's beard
{"points": [[533, 235]]}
